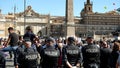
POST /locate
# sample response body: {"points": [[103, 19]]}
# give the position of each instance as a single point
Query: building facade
{"points": [[99, 24], [89, 23]]}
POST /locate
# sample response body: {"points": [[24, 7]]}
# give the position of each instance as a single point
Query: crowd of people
{"points": [[32, 51]]}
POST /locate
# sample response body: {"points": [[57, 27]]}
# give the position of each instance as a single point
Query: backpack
{"points": [[32, 59]]}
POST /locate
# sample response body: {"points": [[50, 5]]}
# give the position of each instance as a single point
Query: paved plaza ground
{"points": [[9, 62]]}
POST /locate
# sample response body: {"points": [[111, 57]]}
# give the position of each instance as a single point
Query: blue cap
{"points": [[49, 39]]}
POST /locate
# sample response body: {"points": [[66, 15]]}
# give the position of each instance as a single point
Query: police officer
{"points": [[27, 56], [49, 55], [2, 60], [91, 54], [71, 54]]}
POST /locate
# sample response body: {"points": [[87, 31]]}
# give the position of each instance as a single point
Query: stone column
{"points": [[70, 29]]}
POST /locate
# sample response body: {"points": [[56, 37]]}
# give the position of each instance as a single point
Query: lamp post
{"points": [[15, 24], [24, 15]]}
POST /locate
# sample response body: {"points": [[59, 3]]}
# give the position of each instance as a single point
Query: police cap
{"points": [[71, 39], [27, 39], [49, 39], [89, 37]]}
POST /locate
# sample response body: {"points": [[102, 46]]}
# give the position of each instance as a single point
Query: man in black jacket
{"points": [[49, 55], [27, 57], [71, 54], [91, 54], [105, 55]]}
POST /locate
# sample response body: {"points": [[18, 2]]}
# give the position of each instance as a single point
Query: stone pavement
{"points": [[9, 62]]}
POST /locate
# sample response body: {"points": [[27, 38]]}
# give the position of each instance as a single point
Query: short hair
{"points": [[116, 46], [49, 39], [10, 28], [29, 28]]}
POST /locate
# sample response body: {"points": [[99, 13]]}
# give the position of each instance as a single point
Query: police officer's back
{"points": [[49, 55], [71, 54], [91, 54], [2, 60], [27, 56]]}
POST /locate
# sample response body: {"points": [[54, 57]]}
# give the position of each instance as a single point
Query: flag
{"points": [[105, 7], [113, 3]]}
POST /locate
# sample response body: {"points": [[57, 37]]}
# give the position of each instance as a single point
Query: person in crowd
{"points": [[10, 52], [79, 43], [29, 33], [97, 43], [27, 57], [104, 39], [13, 43], [60, 45], [118, 62], [105, 53], [60, 59], [20, 42], [1, 40], [91, 54], [49, 54], [71, 54], [114, 55]]}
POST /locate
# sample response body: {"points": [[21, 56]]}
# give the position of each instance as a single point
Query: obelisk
{"points": [[70, 29]]}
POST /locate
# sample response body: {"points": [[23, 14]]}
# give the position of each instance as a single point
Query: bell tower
{"points": [[88, 7]]}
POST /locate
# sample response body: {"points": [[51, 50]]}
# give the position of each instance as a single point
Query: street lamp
{"points": [[14, 19], [24, 14]]}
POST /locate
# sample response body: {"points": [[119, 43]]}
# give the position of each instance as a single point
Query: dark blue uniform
{"points": [[2, 60], [27, 57], [72, 54], [91, 56], [49, 56]]}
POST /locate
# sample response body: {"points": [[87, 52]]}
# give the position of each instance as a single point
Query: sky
{"points": [[57, 7]]}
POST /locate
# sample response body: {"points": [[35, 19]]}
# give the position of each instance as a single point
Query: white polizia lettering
{"points": [[51, 53], [31, 57], [92, 50], [72, 51]]}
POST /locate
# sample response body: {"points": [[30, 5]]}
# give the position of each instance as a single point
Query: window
{"points": [[1, 31], [89, 8]]}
